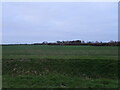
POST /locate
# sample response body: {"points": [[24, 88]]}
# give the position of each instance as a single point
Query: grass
{"points": [[43, 66], [56, 81]]}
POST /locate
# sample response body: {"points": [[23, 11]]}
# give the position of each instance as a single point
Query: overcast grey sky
{"points": [[37, 21]]}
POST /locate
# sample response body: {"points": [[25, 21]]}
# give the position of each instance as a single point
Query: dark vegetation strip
{"points": [[83, 68]]}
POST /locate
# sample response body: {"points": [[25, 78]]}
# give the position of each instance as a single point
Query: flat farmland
{"points": [[54, 66]]}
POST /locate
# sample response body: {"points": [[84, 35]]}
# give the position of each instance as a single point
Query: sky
{"points": [[31, 22]]}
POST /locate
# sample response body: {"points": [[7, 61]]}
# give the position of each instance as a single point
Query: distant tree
{"points": [[58, 42], [78, 41], [82, 41], [45, 43]]}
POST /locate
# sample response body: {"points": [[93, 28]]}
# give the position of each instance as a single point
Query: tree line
{"points": [[75, 42], [79, 42]]}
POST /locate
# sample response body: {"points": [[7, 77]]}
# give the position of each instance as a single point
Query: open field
{"points": [[45, 66]]}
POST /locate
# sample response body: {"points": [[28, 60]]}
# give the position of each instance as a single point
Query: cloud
{"points": [[59, 21]]}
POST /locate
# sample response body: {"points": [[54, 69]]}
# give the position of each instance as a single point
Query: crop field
{"points": [[50, 66]]}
